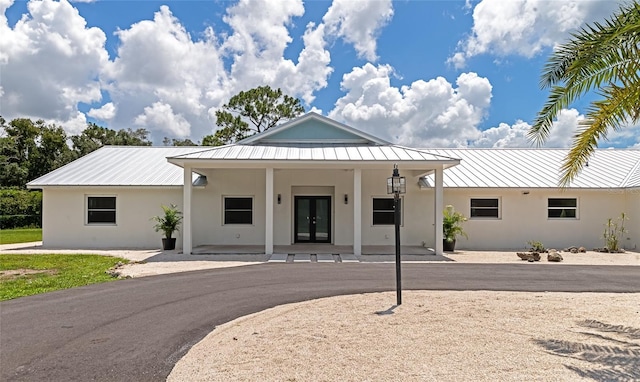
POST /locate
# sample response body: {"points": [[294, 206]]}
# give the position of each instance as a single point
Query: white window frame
{"points": [[499, 208], [576, 208], [224, 209], [387, 197], [86, 210]]}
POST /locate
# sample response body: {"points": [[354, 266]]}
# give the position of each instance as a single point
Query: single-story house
{"points": [[314, 180]]}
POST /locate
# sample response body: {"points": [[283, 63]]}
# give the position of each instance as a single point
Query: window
{"points": [[238, 210], [562, 208], [485, 208], [101, 210], [383, 212]]}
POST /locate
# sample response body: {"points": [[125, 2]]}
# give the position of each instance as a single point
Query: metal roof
{"points": [[537, 168], [478, 168], [331, 153], [119, 166]]}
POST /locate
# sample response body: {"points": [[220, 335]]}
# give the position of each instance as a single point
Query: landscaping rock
{"points": [[529, 256], [554, 257], [582, 250]]}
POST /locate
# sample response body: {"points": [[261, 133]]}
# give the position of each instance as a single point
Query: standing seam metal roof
{"points": [[313, 153], [537, 168]]}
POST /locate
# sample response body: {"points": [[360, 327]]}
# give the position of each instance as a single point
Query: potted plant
{"points": [[168, 223], [451, 228]]}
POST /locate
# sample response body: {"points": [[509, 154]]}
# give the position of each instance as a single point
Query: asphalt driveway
{"points": [[137, 329]]}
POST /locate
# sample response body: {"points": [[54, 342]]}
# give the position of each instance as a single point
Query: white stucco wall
{"points": [[64, 215], [632, 239], [208, 210], [417, 210], [524, 218]]}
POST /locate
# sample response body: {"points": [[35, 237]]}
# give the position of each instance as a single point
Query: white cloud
{"points": [[505, 135], [104, 113], [430, 113], [157, 63], [358, 23], [257, 44], [50, 62], [161, 116], [525, 27]]}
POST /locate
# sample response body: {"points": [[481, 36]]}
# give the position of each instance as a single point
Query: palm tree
{"points": [[603, 57]]}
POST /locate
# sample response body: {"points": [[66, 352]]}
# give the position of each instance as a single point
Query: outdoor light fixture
{"points": [[279, 199], [346, 198], [397, 185]]}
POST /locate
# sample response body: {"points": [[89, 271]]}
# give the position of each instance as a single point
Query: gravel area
{"points": [[432, 336]]}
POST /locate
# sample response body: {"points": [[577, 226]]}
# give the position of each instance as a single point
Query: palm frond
{"points": [[618, 106]]}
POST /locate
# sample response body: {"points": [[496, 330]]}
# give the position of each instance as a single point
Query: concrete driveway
{"points": [[137, 329]]}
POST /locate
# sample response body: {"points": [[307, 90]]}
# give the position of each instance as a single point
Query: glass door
{"points": [[312, 219]]}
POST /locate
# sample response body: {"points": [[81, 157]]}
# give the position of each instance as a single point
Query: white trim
{"points": [[438, 207], [357, 212], [498, 198], [309, 116], [390, 197], [576, 208], [86, 210], [223, 209], [269, 201], [187, 190]]}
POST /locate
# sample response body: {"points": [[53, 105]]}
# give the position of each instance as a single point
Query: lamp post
{"points": [[397, 185]]}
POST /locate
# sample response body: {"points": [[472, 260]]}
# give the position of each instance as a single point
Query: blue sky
{"points": [[420, 73]]}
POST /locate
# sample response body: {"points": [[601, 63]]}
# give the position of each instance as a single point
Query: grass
{"points": [[25, 275], [20, 235]]}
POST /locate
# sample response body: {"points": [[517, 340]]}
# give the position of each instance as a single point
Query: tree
{"points": [[250, 112], [93, 137], [178, 142], [604, 57], [31, 149]]}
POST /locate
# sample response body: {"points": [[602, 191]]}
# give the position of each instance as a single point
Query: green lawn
{"points": [[25, 275], [20, 235]]}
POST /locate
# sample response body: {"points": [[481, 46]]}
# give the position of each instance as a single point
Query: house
{"points": [[314, 180]]}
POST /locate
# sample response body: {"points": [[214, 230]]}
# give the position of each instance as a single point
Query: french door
{"points": [[312, 219]]}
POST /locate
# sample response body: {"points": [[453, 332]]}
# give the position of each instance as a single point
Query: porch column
{"points": [[268, 224], [437, 208], [186, 206], [357, 211]]}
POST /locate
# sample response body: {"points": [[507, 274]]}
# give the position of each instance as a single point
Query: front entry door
{"points": [[312, 219]]}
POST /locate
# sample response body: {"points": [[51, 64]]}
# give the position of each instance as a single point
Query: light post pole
{"points": [[397, 185]]}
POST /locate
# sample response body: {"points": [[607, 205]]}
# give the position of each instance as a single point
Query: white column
{"points": [[268, 224], [438, 206], [186, 205], [357, 212]]}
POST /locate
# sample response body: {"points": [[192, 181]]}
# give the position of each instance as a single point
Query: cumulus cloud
{"points": [[50, 62], [257, 44], [161, 116], [505, 135], [525, 27], [430, 113], [358, 23], [104, 113], [157, 62]]}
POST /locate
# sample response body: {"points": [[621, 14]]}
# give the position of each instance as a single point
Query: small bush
{"points": [[536, 246]]}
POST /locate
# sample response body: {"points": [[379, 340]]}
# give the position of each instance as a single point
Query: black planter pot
{"points": [[448, 246], [169, 244]]}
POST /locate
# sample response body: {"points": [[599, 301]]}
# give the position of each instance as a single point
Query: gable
{"points": [[313, 128]]}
